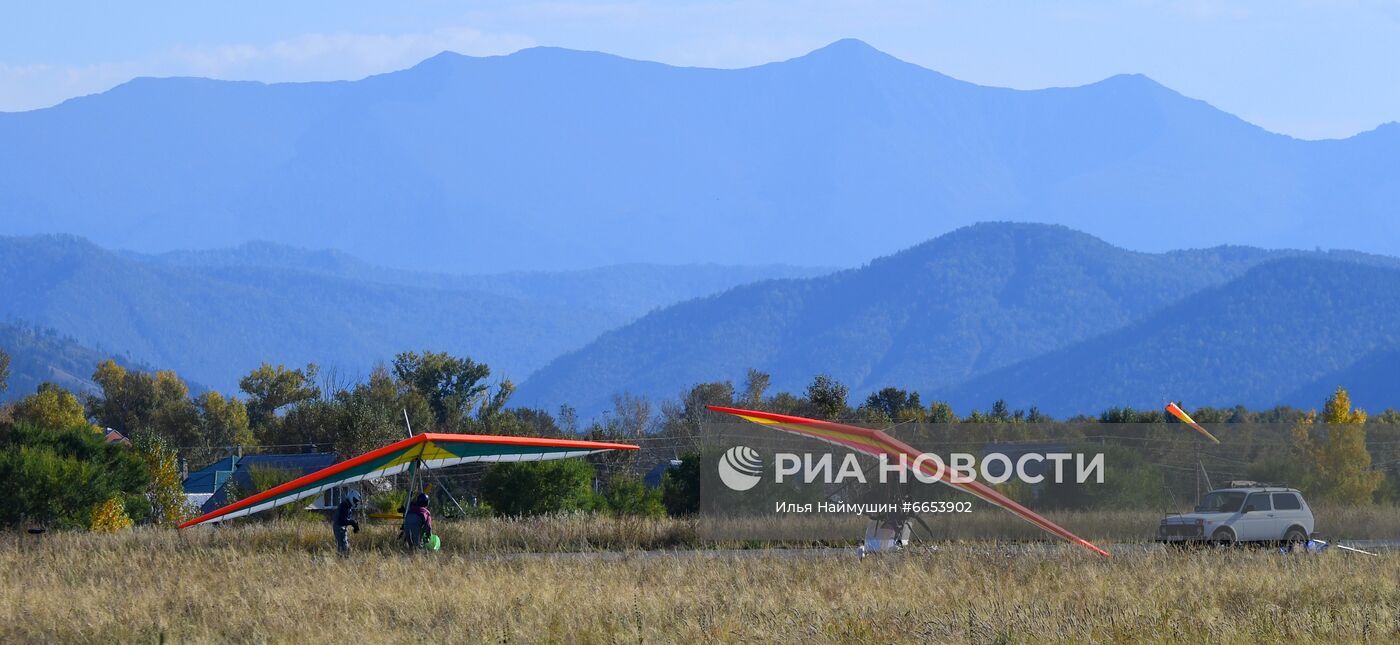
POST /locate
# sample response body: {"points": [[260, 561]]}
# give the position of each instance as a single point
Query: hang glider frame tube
{"points": [[876, 443], [421, 449]]}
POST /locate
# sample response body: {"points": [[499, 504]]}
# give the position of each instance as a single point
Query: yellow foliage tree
{"points": [[1340, 464], [110, 516], [166, 494], [51, 407]]}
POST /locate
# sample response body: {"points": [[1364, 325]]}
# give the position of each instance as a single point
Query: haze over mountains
{"points": [[593, 225], [1034, 314], [548, 159], [214, 316], [39, 355], [1038, 315]]}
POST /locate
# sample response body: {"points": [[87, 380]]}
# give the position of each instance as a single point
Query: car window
{"points": [[1260, 502], [1286, 502], [1221, 502]]}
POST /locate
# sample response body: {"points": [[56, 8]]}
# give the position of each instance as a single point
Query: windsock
{"points": [[1179, 413]]}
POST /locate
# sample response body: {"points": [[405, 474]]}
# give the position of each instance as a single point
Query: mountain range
{"points": [[213, 316], [550, 159], [39, 355], [1033, 314]]}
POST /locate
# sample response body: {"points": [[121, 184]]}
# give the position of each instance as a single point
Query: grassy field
{"points": [[282, 583]]}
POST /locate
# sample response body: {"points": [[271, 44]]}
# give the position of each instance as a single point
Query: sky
{"points": [[1307, 68]]}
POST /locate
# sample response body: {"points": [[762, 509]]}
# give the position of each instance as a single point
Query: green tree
{"points": [[1000, 412], [56, 477], [827, 397], [680, 486], [895, 404], [271, 389], [627, 495], [684, 420], [452, 386], [539, 487], [51, 407], [1340, 465], [370, 415], [4, 370]]}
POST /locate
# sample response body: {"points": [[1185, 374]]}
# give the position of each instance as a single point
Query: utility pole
{"points": [[1197, 445]]}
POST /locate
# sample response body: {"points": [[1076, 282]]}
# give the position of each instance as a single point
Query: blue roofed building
{"points": [[207, 489]]}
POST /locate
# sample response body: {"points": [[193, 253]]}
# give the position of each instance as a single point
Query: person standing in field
{"points": [[417, 523], [345, 517]]}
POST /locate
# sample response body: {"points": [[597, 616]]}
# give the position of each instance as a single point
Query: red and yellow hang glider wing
{"points": [[877, 443], [429, 450], [1179, 413]]}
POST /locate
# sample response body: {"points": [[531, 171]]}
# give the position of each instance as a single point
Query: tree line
{"points": [[56, 439]]}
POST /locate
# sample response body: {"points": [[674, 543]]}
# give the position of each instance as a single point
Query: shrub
{"points": [[110, 516], [539, 487], [627, 495], [58, 477]]}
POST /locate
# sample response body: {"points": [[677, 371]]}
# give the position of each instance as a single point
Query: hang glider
{"points": [[1179, 413], [428, 450], [877, 443]]}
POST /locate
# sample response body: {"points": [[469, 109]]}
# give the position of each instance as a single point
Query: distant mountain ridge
{"points": [[963, 317], [552, 159], [39, 355], [216, 318], [626, 291]]}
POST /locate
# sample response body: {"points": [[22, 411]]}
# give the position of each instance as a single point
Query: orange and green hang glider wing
{"points": [[877, 443], [429, 450], [1179, 413]]}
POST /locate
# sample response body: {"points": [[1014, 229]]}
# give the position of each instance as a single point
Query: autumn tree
{"points": [[132, 402], [941, 412], [1339, 464], [164, 491], [51, 407], [223, 421], [755, 384]]}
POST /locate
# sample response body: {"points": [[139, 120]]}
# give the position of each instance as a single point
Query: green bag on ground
{"points": [[434, 542]]}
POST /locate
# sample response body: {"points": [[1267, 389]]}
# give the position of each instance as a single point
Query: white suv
{"points": [[1233, 515]]}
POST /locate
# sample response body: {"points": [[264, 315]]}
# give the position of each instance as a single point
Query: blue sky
{"points": [[1307, 68]]}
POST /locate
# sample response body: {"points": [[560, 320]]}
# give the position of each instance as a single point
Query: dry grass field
{"points": [[282, 583]]}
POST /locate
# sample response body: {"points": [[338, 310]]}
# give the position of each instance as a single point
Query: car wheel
{"points": [[1294, 537], [1223, 537]]}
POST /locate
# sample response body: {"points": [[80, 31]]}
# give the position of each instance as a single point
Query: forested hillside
{"points": [[39, 355], [213, 315], [928, 318], [213, 325], [1288, 331]]}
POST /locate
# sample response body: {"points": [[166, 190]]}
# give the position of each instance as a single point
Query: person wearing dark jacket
{"points": [[345, 517], [417, 522]]}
